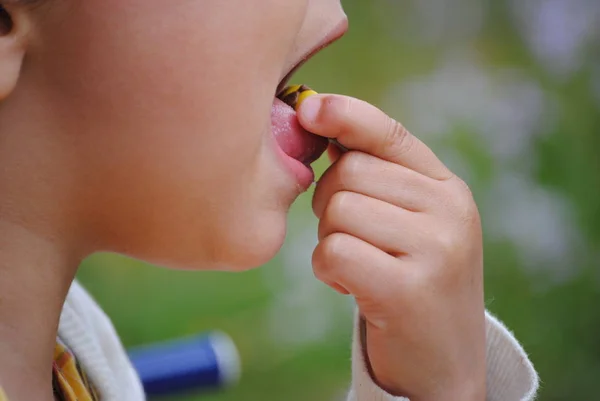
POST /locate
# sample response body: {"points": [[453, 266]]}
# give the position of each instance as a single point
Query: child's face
{"points": [[167, 107]]}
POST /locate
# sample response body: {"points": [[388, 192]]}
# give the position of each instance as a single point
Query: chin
{"points": [[236, 256], [236, 242], [240, 248], [254, 248]]}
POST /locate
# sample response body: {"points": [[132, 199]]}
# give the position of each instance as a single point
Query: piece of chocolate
{"points": [[294, 95]]}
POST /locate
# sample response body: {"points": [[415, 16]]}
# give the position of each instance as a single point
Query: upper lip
{"points": [[340, 29]]}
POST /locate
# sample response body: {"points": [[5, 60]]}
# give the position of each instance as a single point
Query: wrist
{"points": [[464, 391]]}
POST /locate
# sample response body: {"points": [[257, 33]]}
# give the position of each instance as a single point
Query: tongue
{"points": [[294, 140]]}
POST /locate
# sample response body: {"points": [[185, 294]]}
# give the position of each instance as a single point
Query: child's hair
{"points": [[5, 21]]}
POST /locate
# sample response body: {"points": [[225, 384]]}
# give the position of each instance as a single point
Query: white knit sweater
{"points": [[86, 329]]}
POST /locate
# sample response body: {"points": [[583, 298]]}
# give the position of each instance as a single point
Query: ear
{"points": [[12, 47]]}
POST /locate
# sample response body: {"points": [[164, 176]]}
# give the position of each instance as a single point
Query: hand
{"points": [[402, 234]]}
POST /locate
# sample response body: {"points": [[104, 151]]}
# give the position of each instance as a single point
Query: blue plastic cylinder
{"points": [[204, 362]]}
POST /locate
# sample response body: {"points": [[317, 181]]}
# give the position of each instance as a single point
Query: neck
{"points": [[35, 275]]}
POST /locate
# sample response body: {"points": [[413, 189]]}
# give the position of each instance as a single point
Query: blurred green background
{"points": [[508, 94]]}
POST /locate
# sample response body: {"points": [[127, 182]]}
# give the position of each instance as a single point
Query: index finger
{"points": [[358, 125]]}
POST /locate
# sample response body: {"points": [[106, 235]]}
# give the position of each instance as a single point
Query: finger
{"points": [[356, 267], [368, 175], [358, 125], [387, 227]]}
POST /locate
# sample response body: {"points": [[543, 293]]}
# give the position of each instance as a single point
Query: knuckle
{"points": [[464, 204], [340, 205], [416, 283], [446, 243], [435, 279], [397, 138], [440, 273], [345, 105], [462, 186], [448, 261], [333, 246], [337, 210], [327, 255], [349, 167]]}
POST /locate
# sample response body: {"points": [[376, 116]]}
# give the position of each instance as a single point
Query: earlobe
{"points": [[12, 50]]}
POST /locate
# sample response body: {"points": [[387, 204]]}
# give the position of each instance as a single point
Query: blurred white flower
{"points": [[559, 32], [507, 109], [539, 222]]}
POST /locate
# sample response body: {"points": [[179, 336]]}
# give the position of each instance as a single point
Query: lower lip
{"points": [[283, 120], [303, 174]]}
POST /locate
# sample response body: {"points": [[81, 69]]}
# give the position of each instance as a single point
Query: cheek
{"points": [[170, 122], [194, 78]]}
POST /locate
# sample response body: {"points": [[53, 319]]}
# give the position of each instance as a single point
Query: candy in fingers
{"points": [[294, 96]]}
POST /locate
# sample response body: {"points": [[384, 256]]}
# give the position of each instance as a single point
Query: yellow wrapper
{"points": [[294, 95]]}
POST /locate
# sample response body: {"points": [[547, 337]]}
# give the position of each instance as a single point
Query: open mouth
{"points": [[298, 147], [333, 36]]}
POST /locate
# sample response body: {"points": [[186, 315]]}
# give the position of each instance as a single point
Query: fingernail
{"points": [[310, 109]]}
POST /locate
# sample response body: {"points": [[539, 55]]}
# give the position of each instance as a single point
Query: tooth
{"points": [[294, 95]]}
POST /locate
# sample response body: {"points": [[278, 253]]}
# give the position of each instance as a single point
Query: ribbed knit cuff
{"points": [[510, 373]]}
